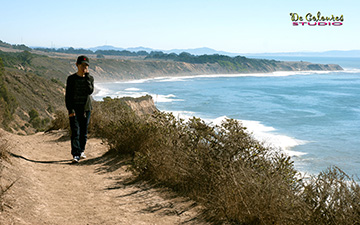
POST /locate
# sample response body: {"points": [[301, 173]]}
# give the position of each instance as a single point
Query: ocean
{"points": [[312, 116]]}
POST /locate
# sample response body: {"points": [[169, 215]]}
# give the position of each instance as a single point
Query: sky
{"points": [[258, 26]]}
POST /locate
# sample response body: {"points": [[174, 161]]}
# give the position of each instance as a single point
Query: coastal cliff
{"points": [[141, 106], [117, 69]]}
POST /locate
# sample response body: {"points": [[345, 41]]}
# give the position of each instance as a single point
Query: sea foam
{"points": [[132, 92], [165, 98], [267, 135], [132, 89]]}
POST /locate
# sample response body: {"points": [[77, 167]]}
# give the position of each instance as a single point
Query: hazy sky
{"points": [[227, 25]]}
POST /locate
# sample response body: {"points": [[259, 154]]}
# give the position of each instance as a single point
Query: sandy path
{"points": [[98, 190]]}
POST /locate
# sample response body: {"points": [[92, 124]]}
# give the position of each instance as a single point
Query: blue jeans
{"points": [[79, 130]]}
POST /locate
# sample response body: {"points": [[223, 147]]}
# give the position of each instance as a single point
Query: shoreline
{"points": [[99, 89], [268, 74]]}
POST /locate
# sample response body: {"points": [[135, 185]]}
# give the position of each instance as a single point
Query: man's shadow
{"points": [[68, 161]]}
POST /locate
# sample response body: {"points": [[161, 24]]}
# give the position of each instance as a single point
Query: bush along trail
{"points": [[48, 189]]}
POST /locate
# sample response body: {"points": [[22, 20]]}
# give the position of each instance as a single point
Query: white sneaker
{"points": [[82, 156], [76, 159]]}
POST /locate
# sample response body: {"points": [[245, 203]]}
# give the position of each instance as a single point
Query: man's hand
{"points": [[72, 115]]}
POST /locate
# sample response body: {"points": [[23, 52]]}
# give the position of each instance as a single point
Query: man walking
{"points": [[79, 87]]}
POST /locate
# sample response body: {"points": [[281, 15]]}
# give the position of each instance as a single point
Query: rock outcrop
{"points": [[141, 106]]}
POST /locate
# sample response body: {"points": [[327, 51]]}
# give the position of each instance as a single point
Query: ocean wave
{"points": [[165, 98], [138, 81], [267, 136], [132, 92], [120, 94], [185, 115], [351, 70], [100, 91], [171, 79], [132, 89]]}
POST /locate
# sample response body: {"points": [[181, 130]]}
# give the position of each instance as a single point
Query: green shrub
{"points": [[38, 123], [8, 102], [33, 114], [50, 109]]}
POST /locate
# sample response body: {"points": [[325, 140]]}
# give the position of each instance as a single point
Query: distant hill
{"points": [[194, 51], [210, 51], [105, 47], [202, 51]]}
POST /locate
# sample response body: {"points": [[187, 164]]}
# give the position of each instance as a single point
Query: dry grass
{"points": [[61, 121], [4, 158], [236, 178], [332, 197], [4, 149]]}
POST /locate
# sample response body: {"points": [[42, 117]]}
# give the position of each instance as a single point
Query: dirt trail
{"points": [[98, 190]]}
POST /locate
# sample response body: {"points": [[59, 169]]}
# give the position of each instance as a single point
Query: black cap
{"points": [[82, 59]]}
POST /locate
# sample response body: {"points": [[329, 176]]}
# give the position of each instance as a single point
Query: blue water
{"points": [[314, 117]]}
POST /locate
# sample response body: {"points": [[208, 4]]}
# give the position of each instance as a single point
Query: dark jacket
{"points": [[78, 91]]}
